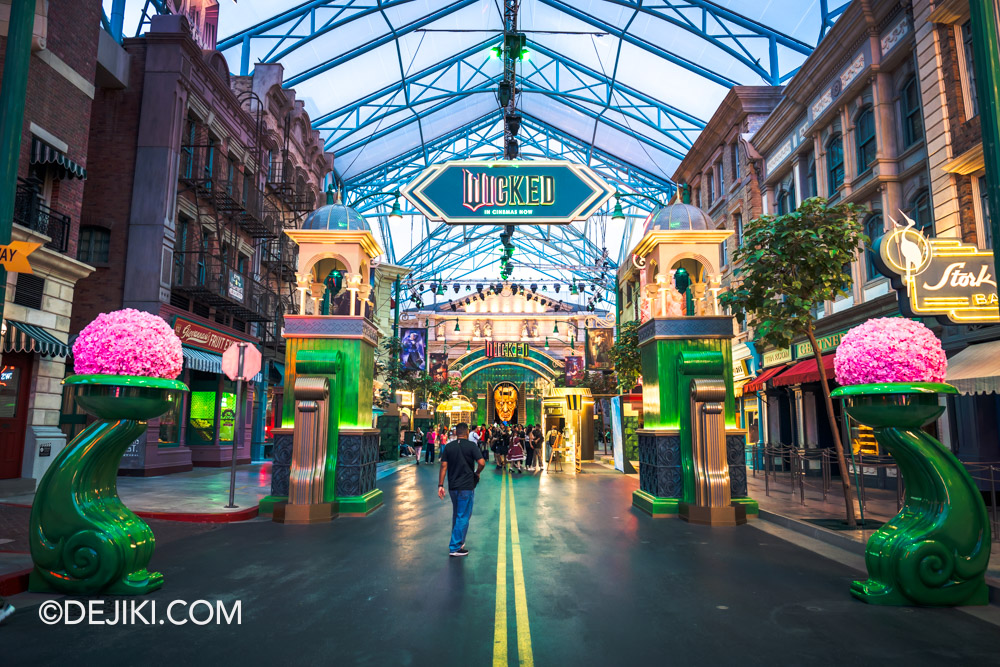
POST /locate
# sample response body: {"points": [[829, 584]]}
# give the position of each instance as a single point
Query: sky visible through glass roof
{"points": [[623, 85]]}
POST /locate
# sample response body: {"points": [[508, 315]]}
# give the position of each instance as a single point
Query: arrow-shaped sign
{"points": [[14, 256], [508, 192]]}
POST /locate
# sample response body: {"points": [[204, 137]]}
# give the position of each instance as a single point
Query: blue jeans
{"points": [[461, 512]]}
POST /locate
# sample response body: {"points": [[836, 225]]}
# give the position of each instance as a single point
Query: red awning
{"points": [[805, 371], [757, 383]]}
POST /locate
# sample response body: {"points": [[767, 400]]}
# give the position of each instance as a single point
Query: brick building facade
{"points": [[68, 67], [207, 170]]}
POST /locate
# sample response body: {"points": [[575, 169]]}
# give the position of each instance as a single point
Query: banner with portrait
{"points": [[598, 349], [439, 366], [413, 353], [574, 371]]}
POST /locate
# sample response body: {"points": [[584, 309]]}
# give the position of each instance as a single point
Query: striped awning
{"points": [[44, 154], [976, 369], [21, 337], [207, 362]]}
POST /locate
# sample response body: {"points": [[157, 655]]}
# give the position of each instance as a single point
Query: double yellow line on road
{"points": [[525, 658]]}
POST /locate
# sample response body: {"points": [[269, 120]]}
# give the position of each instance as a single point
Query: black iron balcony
{"points": [[292, 192], [207, 279], [215, 177], [30, 211], [280, 256]]}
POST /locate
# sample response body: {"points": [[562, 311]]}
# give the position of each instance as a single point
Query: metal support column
{"points": [[13, 91], [985, 24]]}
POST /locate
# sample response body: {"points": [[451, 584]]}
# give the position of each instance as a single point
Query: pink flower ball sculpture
{"points": [[128, 342], [890, 349]]}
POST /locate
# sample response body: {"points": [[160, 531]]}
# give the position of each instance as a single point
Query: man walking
{"points": [[457, 462]]}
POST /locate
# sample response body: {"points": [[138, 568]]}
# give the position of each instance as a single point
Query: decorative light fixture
{"points": [[556, 287], [546, 342], [427, 323], [453, 307], [396, 214], [468, 346], [456, 287], [458, 329], [555, 328], [618, 213]]}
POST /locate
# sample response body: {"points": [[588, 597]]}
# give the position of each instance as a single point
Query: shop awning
{"points": [[44, 154], [805, 371], [756, 384], [21, 337], [207, 362], [976, 369]]}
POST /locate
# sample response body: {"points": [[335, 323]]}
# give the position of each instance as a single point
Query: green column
{"points": [[986, 54], [13, 91]]}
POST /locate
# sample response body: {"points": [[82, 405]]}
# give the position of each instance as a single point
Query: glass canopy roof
{"points": [[623, 85]]}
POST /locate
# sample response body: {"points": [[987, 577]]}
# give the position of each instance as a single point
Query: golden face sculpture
{"points": [[505, 400]]}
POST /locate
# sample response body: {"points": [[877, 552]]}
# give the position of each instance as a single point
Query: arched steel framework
{"points": [[630, 135]]}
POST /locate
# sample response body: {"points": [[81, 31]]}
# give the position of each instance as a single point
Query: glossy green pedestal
{"points": [[936, 550], [83, 539]]}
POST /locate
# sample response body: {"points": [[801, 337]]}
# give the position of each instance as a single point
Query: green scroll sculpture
{"points": [[935, 551], [83, 539]]}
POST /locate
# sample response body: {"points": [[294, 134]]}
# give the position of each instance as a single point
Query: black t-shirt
{"points": [[461, 457]]}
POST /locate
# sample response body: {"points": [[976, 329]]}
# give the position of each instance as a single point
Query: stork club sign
{"points": [[952, 281], [508, 192]]}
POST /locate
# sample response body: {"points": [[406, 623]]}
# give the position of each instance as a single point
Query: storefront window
{"points": [[9, 382], [201, 417], [170, 424]]}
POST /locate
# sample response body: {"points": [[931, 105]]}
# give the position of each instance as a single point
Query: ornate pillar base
{"points": [[734, 515], [280, 469], [357, 463], [299, 514], [661, 485]]}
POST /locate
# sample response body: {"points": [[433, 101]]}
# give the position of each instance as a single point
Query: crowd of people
{"points": [[514, 447]]}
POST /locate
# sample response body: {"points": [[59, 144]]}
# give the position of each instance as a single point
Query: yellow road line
{"points": [[500, 631], [520, 596]]}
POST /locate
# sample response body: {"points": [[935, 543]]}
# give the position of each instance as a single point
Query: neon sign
{"points": [[943, 278], [508, 192]]}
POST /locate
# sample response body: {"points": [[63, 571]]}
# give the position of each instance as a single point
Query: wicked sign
{"points": [[508, 192], [943, 278]]}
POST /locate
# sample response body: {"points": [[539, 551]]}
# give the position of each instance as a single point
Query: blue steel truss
{"points": [[580, 88], [456, 253]]}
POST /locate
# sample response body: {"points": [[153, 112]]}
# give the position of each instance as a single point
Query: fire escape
{"points": [[211, 264], [288, 200]]}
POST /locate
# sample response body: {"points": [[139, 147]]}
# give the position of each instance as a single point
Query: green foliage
{"points": [[625, 354], [790, 263], [599, 382]]}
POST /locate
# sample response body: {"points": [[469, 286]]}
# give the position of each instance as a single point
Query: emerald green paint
{"points": [[475, 384], [891, 388], [936, 550], [365, 504], [654, 506], [668, 366], [13, 90], [986, 55], [749, 503], [353, 361], [267, 504], [83, 539]]}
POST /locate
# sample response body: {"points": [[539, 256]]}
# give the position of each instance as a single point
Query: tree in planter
{"points": [[789, 264], [625, 355]]}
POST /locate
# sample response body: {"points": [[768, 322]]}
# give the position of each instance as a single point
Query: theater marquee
{"points": [[943, 278], [508, 192]]}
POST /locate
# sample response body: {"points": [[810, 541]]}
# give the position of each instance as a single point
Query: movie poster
{"points": [[413, 355], [439, 366], [599, 342], [574, 371]]}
